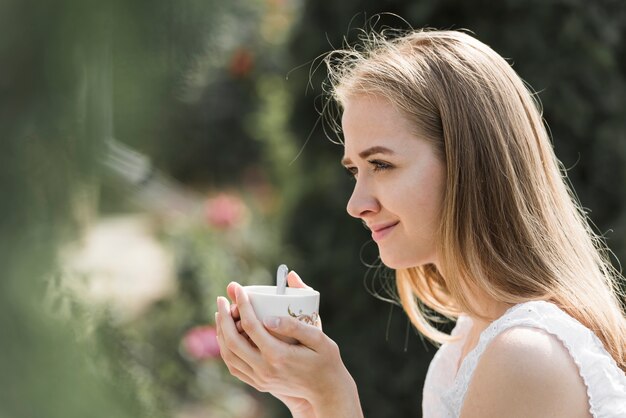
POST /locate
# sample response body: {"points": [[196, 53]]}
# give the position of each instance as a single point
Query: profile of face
{"points": [[399, 181]]}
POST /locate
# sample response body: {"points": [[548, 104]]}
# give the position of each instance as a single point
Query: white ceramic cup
{"points": [[300, 303]]}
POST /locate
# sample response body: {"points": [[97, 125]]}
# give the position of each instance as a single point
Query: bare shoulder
{"points": [[526, 372]]}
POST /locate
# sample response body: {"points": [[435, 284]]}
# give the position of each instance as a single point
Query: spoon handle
{"points": [[281, 279]]}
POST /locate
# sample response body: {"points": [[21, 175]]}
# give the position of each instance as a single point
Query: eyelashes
{"points": [[380, 165], [376, 166]]}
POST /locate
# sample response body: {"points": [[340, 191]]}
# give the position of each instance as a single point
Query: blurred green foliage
{"points": [[51, 127], [76, 74]]}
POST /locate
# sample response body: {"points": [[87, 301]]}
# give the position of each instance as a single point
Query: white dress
{"points": [[606, 382]]}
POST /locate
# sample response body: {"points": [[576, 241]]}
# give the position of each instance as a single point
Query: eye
{"points": [[379, 165]]}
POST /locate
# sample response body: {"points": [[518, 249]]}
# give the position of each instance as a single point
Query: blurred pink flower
{"points": [[224, 211], [241, 63], [200, 343]]}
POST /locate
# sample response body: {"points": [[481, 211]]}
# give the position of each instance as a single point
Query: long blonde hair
{"points": [[511, 227]]}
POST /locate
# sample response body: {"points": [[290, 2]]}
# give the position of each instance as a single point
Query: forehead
{"points": [[370, 120]]}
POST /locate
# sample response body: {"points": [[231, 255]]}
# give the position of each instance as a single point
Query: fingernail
{"points": [[272, 321], [222, 303]]}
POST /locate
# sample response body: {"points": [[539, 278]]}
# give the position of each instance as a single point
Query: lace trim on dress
{"points": [[605, 381]]}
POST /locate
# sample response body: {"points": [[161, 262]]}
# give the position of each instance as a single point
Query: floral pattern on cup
{"points": [[307, 319]]}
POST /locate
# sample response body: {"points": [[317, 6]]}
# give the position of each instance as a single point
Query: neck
{"points": [[491, 310]]}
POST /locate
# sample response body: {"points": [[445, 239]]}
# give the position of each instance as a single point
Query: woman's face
{"points": [[399, 181]]}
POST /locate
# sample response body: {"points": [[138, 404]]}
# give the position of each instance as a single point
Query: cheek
{"points": [[419, 204], [419, 200]]}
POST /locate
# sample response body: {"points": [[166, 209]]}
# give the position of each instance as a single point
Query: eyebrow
{"points": [[370, 151]]}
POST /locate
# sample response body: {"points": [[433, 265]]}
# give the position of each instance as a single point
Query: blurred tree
{"points": [[209, 60], [74, 75], [195, 88], [572, 52], [54, 73]]}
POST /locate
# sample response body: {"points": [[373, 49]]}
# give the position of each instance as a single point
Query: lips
{"points": [[381, 230]]}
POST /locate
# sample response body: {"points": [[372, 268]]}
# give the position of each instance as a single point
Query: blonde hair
{"points": [[511, 227]]}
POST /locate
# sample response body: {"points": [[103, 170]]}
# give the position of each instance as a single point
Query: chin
{"points": [[397, 261]]}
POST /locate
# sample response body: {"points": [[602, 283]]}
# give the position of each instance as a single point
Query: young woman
{"points": [[457, 180]]}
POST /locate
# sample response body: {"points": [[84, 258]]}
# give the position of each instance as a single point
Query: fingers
{"points": [[308, 335], [251, 324], [234, 311], [242, 332], [232, 360], [232, 339], [293, 280], [230, 289], [236, 366]]}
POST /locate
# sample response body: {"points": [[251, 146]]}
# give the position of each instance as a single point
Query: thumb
{"points": [[293, 280], [308, 335]]}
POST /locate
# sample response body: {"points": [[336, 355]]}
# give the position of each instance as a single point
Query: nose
{"points": [[362, 202]]}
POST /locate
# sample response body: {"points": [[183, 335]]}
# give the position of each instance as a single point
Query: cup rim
{"points": [[267, 290]]}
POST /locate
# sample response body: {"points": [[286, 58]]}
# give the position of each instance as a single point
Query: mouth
{"points": [[379, 232]]}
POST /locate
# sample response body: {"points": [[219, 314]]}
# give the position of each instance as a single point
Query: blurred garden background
{"points": [[154, 151]]}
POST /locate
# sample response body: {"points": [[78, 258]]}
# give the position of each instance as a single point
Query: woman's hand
{"points": [[308, 377], [293, 280], [299, 407]]}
